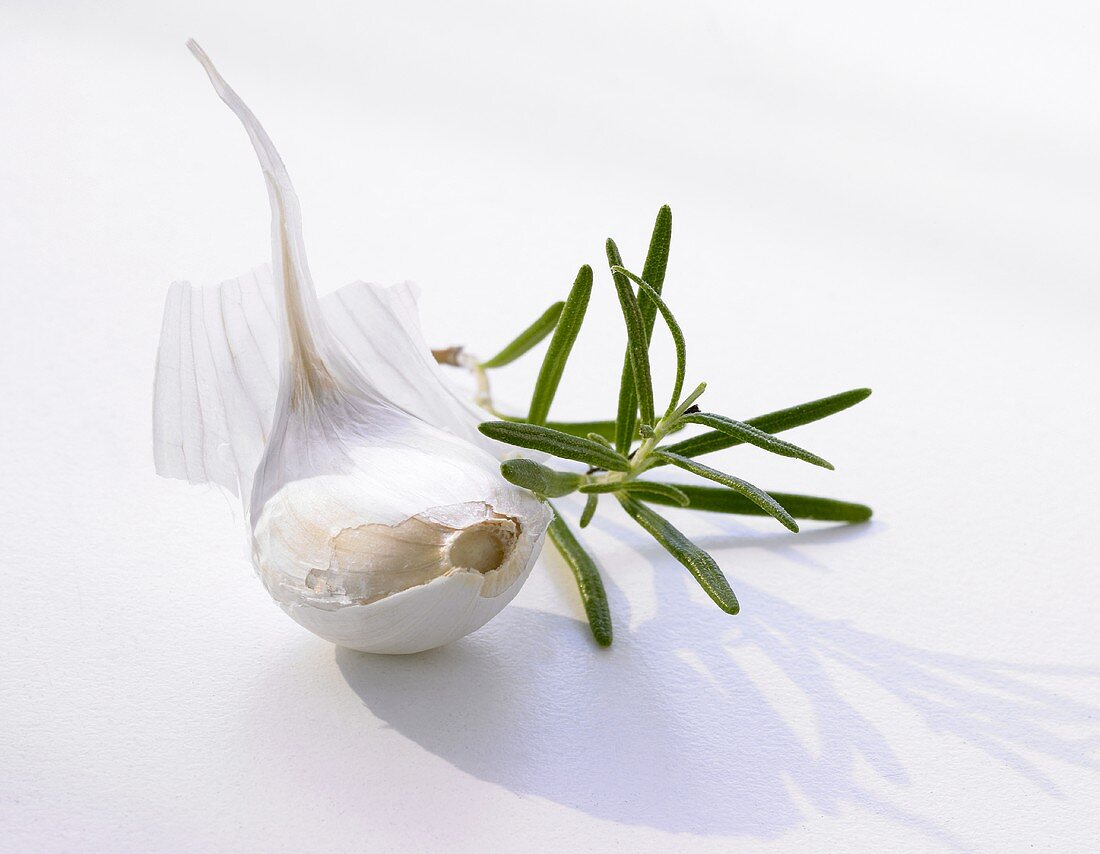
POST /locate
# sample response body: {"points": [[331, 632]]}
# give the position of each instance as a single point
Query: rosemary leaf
{"points": [[574, 428], [604, 428], [644, 489], [699, 563], [569, 324], [773, 422], [637, 344], [663, 493], [720, 499], [755, 436], [528, 338], [588, 579], [754, 493], [673, 328], [589, 510], [626, 420], [656, 259], [539, 478], [555, 442], [600, 439], [687, 403], [656, 263]]}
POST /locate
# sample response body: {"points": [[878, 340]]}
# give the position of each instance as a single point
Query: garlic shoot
{"points": [[377, 514]]}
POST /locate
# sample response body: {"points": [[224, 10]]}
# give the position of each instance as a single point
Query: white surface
{"points": [[902, 196]]}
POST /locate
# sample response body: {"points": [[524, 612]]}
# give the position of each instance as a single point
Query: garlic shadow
{"points": [[670, 728]]}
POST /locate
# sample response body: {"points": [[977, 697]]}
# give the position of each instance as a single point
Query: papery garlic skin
{"points": [[377, 514]]}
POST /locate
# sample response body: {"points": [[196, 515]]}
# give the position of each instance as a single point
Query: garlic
{"points": [[378, 517]]}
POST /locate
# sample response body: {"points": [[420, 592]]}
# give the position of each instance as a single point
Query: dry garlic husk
{"points": [[377, 514]]}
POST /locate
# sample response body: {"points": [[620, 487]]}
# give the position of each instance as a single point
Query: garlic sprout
{"points": [[377, 514]]}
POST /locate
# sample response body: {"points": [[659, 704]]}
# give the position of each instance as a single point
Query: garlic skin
{"points": [[378, 518]]}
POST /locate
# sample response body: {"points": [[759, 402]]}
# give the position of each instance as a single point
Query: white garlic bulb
{"points": [[378, 517]]}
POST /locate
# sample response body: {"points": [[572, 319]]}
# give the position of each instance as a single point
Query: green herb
{"points": [[673, 328], [755, 436], [619, 453], [539, 478], [555, 442], [568, 327], [588, 579], [773, 422], [604, 429], [698, 562], [637, 344], [754, 493], [649, 490], [656, 264], [589, 510], [528, 338], [717, 499]]}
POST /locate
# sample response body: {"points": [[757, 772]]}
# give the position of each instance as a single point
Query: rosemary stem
{"points": [[458, 357], [642, 457]]}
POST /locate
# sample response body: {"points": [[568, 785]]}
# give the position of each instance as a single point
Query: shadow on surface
{"points": [[670, 728]]}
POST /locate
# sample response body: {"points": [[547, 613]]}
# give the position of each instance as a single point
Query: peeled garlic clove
{"points": [[378, 518]]}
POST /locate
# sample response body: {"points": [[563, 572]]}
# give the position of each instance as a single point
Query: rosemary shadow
{"points": [[670, 729]]}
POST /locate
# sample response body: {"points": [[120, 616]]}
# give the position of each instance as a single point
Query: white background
{"points": [[905, 196]]}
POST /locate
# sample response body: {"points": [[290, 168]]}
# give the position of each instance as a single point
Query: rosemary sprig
{"points": [[620, 452]]}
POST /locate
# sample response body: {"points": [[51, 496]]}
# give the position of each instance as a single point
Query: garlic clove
{"points": [[402, 508], [378, 518]]}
